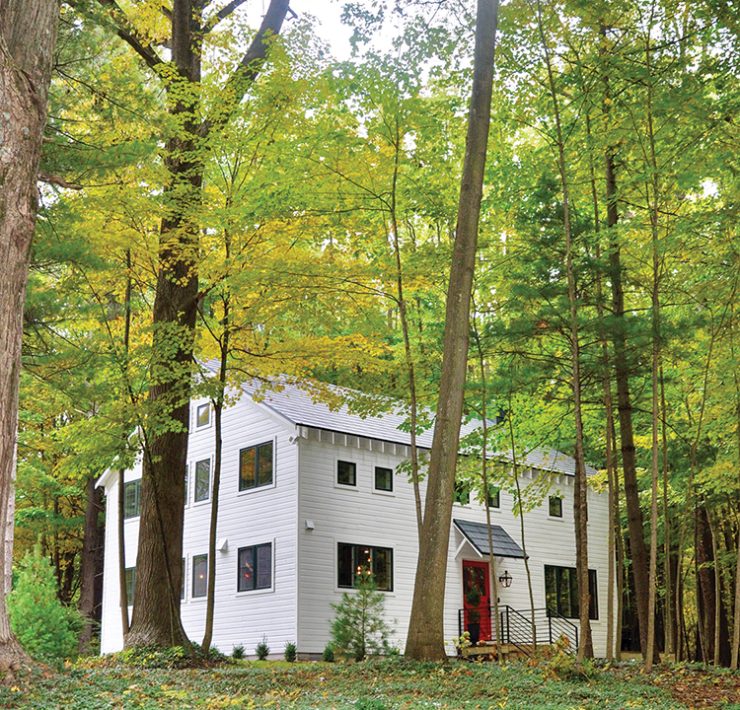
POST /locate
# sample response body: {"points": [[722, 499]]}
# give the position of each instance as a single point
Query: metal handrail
{"points": [[522, 628]]}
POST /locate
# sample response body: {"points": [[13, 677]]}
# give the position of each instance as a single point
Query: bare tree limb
{"points": [[248, 68], [58, 181], [222, 14]]}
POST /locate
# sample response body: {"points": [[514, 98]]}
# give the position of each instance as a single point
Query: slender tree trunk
{"points": [[486, 486], [670, 632], [735, 658], [403, 316], [28, 31], [650, 657], [580, 502], [528, 572], [426, 628], [123, 599], [90, 565], [218, 408]]}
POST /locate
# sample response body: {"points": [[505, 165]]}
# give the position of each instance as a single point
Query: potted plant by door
{"points": [[473, 599]]}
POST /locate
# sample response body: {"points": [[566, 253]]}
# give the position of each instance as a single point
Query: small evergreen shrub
{"points": [[262, 650], [238, 652], [46, 628], [359, 628], [328, 653], [290, 652]]}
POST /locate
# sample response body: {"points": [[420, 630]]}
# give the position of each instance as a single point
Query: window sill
{"points": [[380, 492], [346, 486], [200, 503], [559, 518], [350, 590], [253, 592], [257, 489]]}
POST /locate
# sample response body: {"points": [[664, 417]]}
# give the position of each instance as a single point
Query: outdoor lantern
{"points": [[505, 579]]}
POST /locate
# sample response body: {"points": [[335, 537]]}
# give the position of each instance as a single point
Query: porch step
{"points": [[505, 650]]}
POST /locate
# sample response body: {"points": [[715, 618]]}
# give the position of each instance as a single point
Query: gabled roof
{"points": [[323, 406], [477, 535]]}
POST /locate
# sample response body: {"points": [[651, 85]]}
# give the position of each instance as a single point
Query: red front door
{"points": [[477, 588]]}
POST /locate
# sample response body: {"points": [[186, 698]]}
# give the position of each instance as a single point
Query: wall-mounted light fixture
{"points": [[505, 579]]}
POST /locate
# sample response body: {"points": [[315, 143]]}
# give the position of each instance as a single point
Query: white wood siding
{"points": [[266, 514], [360, 515]]}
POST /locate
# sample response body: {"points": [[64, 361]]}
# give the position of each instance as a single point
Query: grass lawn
{"points": [[375, 685]]}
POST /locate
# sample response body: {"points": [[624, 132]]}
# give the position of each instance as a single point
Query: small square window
{"points": [[494, 497], [202, 480], [555, 505], [462, 492], [202, 415], [347, 473], [200, 575], [383, 479]]}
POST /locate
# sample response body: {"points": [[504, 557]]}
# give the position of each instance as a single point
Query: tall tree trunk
{"points": [[735, 660], [28, 30], [426, 627], [635, 527], [655, 368], [611, 473], [156, 617], [90, 566], [580, 497]]}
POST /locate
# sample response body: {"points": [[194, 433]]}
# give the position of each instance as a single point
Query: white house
{"points": [[308, 493]]}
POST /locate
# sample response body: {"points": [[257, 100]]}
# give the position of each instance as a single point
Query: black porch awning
{"points": [[477, 535]]}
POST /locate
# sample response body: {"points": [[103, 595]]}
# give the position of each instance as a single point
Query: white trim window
{"points": [[202, 481], [200, 576], [202, 415]]}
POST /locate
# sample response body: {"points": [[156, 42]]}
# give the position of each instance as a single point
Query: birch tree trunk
{"points": [[28, 30], [426, 635]]}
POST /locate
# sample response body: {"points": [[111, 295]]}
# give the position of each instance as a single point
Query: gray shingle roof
{"points": [[348, 411], [477, 536]]}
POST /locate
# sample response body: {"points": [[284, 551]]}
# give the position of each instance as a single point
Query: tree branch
{"points": [[222, 14], [249, 67], [58, 181], [127, 32]]}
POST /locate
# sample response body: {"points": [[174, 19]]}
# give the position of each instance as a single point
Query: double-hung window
{"points": [[132, 499], [353, 560], [462, 492], [255, 567], [256, 466], [561, 592], [200, 575], [202, 480]]}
